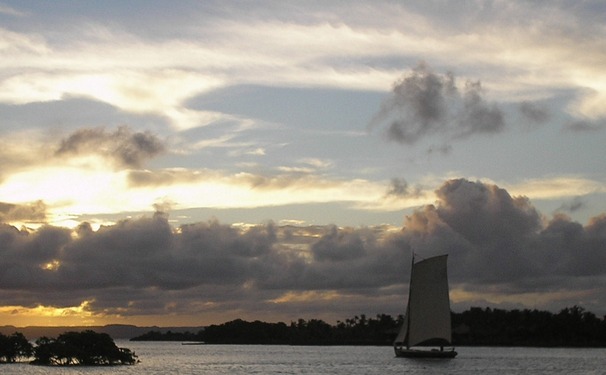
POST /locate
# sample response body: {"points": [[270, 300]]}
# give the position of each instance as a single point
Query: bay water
{"points": [[174, 358]]}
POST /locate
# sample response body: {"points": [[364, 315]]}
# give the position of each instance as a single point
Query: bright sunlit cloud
{"points": [[48, 316], [557, 187]]}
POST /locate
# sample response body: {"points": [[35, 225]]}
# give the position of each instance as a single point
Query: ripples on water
{"points": [[174, 358]]}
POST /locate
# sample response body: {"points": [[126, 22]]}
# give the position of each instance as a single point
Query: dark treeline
{"points": [[357, 331], [571, 327], [86, 348]]}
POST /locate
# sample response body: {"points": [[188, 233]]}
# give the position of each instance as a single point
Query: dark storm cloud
{"points": [[424, 103], [33, 212], [125, 147], [23, 254], [495, 242], [148, 255]]}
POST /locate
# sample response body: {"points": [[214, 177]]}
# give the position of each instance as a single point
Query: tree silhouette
{"points": [[81, 348], [14, 347]]}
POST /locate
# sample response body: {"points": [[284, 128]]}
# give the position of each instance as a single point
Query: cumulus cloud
{"points": [[125, 147], [497, 243], [424, 103]]}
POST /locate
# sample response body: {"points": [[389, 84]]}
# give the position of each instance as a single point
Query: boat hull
{"points": [[415, 353]]}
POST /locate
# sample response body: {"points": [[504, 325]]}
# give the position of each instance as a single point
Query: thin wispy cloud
{"points": [[9, 11]]}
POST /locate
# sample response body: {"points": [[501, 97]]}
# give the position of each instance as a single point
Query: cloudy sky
{"points": [[191, 162]]}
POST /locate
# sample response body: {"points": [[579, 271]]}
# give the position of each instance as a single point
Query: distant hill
{"points": [[116, 331]]}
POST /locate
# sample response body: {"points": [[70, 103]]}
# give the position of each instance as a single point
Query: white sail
{"points": [[427, 319]]}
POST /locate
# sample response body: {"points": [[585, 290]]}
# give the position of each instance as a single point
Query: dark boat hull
{"points": [[415, 353]]}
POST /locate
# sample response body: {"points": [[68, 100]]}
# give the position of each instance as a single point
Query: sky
{"points": [[192, 162]]}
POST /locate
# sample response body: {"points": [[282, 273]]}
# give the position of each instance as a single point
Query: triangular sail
{"points": [[427, 320]]}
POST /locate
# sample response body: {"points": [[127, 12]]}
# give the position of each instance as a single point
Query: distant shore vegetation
{"points": [[571, 327], [86, 348]]}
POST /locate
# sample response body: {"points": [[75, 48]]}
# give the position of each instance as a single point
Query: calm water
{"points": [[174, 358]]}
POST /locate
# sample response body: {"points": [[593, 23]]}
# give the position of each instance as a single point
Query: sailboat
{"points": [[427, 319]]}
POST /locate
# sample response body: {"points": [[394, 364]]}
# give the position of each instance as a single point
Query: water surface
{"points": [[174, 358]]}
